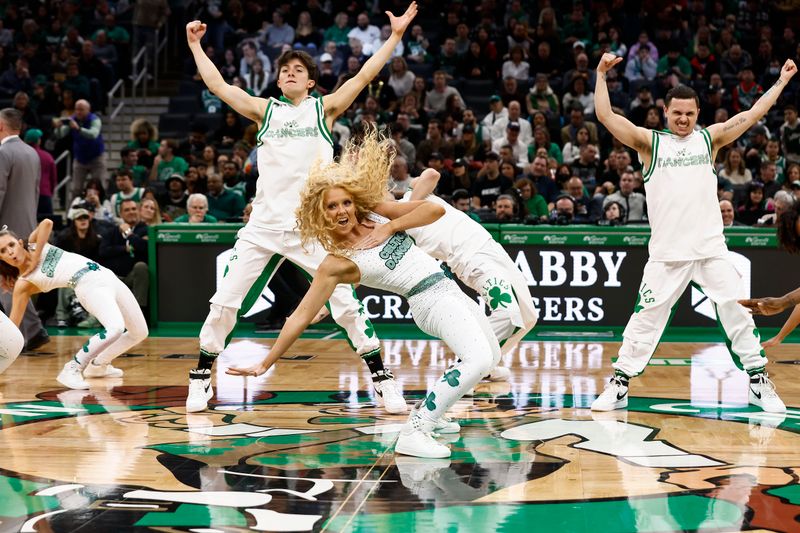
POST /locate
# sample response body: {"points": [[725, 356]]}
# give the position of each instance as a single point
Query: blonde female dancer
{"points": [[338, 209], [41, 267]]}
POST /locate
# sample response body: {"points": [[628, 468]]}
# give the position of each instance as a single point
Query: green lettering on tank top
{"points": [[395, 248], [682, 159], [51, 260]]}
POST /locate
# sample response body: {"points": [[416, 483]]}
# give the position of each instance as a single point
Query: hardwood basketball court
{"points": [[304, 448]]}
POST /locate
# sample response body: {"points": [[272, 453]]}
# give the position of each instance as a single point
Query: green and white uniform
{"points": [[290, 140], [686, 246], [118, 197], [439, 309], [484, 266], [102, 294]]}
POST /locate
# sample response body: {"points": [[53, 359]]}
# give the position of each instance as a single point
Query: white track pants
{"points": [[256, 256], [11, 342], [662, 285]]}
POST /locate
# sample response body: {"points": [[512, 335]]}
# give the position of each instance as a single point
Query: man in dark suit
{"points": [[19, 197]]}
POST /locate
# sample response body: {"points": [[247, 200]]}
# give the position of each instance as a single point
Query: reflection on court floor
{"points": [[304, 448]]}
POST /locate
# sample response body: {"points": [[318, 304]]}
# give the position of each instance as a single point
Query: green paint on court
{"points": [[192, 515], [17, 498], [676, 513]]}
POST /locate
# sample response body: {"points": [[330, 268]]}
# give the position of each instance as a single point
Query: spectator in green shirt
{"points": [[130, 162], [144, 140], [116, 34], [223, 203], [674, 64], [167, 163], [535, 203], [197, 207], [338, 32]]}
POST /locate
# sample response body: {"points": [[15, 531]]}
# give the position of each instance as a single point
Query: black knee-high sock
{"points": [[375, 364], [206, 360]]}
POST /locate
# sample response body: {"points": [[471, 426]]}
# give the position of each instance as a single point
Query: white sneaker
{"points": [[390, 394], [102, 371], [415, 439], [498, 373], [615, 396], [70, 376], [446, 425], [200, 391], [763, 395]]}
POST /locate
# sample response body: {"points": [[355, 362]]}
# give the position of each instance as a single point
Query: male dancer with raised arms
{"points": [[294, 132], [686, 242]]}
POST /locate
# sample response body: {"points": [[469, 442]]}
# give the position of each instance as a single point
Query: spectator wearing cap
{"points": [[468, 118], [634, 203], [167, 162], [512, 139], [436, 98], [88, 149], [80, 237], [490, 183], [223, 204], [500, 128], [461, 177], [124, 252], [641, 67], [756, 144], [197, 211], [461, 200], [327, 77], [435, 142], [173, 201], [542, 98], [49, 173], [125, 191], [795, 186], [576, 121], [497, 111], [468, 146]]}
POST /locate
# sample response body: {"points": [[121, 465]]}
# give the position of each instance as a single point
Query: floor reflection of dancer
{"points": [[336, 210], [294, 131], [40, 267]]}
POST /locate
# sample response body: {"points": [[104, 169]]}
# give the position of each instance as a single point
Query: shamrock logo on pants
{"points": [[498, 298], [451, 377], [430, 401]]}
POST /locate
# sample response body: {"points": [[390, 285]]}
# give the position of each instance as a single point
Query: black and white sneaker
{"points": [[615, 396], [200, 390]]}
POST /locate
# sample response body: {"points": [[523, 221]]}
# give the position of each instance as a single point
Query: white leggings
{"points": [[103, 295], [445, 312], [11, 342]]}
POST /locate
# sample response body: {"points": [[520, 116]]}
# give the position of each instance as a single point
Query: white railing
{"points": [[66, 154], [119, 86], [160, 44], [139, 76]]}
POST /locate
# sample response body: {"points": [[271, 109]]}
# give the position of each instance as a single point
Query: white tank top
{"points": [[290, 140], [397, 265], [454, 238], [57, 269], [682, 206]]}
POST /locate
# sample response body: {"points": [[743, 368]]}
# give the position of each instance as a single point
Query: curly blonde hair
{"points": [[362, 171]]}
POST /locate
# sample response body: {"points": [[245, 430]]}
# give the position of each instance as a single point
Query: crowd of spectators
{"points": [[497, 95]]}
